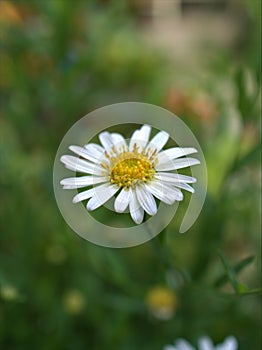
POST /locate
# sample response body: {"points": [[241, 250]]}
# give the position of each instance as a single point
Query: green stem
{"points": [[163, 255]]}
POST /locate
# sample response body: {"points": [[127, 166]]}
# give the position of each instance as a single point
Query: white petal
{"points": [[140, 137], [83, 195], [230, 343], [122, 200], [101, 195], [69, 187], [205, 343], [158, 141], [165, 193], [82, 152], [82, 181], [182, 344], [144, 133], [134, 140], [95, 150], [136, 211], [173, 153], [177, 164], [184, 186], [105, 139], [146, 200], [169, 347], [119, 142], [171, 177], [77, 164]]}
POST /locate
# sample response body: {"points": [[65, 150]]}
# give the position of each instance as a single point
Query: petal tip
{"points": [[63, 159]]}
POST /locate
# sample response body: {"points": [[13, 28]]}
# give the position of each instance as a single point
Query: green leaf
{"points": [[246, 101], [243, 263], [255, 291], [229, 271], [237, 268], [252, 157], [241, 92], [242, 288]]}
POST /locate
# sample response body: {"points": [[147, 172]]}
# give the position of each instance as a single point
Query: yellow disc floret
{"points": [[132, 169]]}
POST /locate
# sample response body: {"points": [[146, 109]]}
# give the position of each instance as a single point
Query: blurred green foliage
{"points": [[60, 60]]}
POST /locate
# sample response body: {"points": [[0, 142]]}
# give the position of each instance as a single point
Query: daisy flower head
{"points": [[136, 172], [204, 343]]}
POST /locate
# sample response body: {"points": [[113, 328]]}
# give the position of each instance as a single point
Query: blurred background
{"points": [[60, 60]]}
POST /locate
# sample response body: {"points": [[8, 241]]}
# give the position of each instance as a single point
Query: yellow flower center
{"points": [[130, 171], [128, 168]]}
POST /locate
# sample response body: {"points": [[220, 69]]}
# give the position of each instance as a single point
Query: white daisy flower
{"points": [[204, 343], [139, 170]]}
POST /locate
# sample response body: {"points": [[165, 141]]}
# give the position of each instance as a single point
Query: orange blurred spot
{"points": [[198, 107], [177, 101], [203, 108], [10, 13]]}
